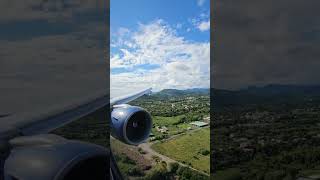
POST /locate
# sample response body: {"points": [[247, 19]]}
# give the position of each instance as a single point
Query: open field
{"points": [[188, 149], [166, 121], [171, 123]]}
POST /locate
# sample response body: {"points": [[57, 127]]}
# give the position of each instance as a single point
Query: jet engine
{"points": [[130, 124], [49, 156]]}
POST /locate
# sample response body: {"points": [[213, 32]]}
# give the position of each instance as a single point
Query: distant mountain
{"points": [[198, 90], [271, 94], [267, 94], [175, 92], [274, 89]]}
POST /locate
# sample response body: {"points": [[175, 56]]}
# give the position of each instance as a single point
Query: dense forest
{"points": [[270, 132]]}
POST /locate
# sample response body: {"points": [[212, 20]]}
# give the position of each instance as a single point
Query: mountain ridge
{"points": [[272, 93], [178, 92]]}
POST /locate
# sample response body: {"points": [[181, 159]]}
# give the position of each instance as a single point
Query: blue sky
{"points": [[159, 44], [127, 14]]}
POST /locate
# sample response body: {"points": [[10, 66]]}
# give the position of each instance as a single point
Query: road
{"points": [[150, 152]]}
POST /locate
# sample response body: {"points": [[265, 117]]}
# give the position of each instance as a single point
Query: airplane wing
{"points": [[57, 152], [128, 98], [55, 119]]}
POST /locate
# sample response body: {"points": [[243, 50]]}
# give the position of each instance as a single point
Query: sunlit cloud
{"points": [[204, 26], [156, 56]]}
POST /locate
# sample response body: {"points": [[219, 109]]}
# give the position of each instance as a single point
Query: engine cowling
{"points": [[49, 156], [130, 124]]}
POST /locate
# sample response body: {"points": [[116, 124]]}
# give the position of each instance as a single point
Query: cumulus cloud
{"points": [[204, 26], [201, 22], [178, 63]]}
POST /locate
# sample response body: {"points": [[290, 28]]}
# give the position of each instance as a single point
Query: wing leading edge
{"points": [[49, 123], [130, 97]]}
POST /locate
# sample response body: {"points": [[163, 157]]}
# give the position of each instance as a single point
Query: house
{"points": [[206, 119], [199, 123], [162, 129]]}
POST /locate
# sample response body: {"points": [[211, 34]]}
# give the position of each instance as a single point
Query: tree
{"points": [[173, 167]]}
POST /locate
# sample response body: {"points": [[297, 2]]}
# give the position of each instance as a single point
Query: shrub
{"points": [[159, 172], [187, 173], [274, 175], [204, 152], [173, 167], [141, 151], [156, 158], [163, 164], [184, 172], [135, 172], [127, 160]]}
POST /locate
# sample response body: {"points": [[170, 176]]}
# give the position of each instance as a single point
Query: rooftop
{"points": [[199, 123]]}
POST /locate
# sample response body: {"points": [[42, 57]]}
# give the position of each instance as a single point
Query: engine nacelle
{"points": [[130, 124], [49, 156]]}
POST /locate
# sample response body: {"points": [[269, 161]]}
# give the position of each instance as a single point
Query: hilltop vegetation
{"points": [[269, 132], [168, 103], [267, 95]]}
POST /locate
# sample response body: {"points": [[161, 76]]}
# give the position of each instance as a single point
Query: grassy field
{"points": [[165, 121], [169, 123], [188, 149]]}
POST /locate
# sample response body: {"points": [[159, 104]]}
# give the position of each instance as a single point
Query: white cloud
{"points": [[181, 64], [200, 2], [201, 22], [204, 25], [119, 37]]}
